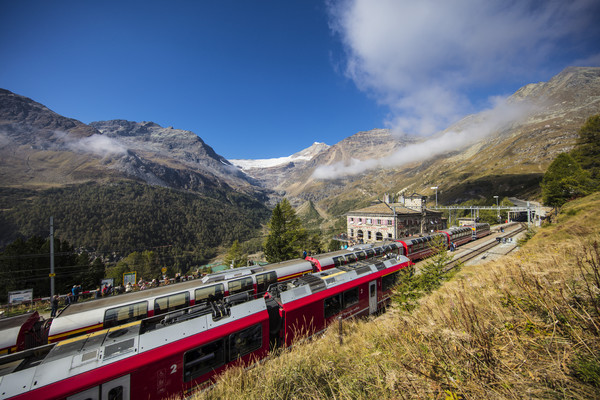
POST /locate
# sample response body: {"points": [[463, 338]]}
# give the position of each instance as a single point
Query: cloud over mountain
{"points": [[428, 60]]}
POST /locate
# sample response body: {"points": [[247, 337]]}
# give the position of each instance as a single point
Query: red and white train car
{"points": [[18, 332], [458, 235], [481, 229], [310, 303], [424, 246], [421, 247], [81, 318], [325, 261], [176, 353]]}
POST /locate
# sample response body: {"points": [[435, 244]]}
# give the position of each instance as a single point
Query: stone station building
{"points": [[388, 221]]}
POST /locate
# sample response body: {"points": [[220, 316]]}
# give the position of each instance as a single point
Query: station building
{"points": [[387, 221]]}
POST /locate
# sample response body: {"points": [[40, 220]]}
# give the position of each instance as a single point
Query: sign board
{"points": [[129, 277], [163, 270], [20, 296]]}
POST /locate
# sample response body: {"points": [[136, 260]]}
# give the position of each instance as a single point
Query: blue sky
{"points": [[260, 79]]}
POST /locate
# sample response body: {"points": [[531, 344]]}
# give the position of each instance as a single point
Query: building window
{"points": [[368, 234], [369, 221], [351, 219], [351, 232], [378, 222], [389, 235], [360, 220], [378, 236]]}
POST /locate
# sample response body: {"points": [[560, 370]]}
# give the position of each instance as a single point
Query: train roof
{"points": [[207, 280], [32, 369], [352, 249], [320, 281]]}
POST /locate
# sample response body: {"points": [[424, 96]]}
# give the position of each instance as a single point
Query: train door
{"points": [[372, 297], [117, 389]]}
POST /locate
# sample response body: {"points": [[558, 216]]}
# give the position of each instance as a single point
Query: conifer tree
{"points": [[564, 180], [235, 257], [286, 234], [587, 151]]}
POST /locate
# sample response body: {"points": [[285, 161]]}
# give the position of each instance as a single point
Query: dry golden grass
{"points": [[527, 326]]}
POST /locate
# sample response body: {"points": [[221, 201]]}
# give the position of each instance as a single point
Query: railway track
{"points": [[472, 253]]}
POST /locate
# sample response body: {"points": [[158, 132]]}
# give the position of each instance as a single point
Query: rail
{"points": [[475, 252]]}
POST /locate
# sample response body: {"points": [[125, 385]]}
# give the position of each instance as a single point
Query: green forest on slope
{"points": [[120, 218]]}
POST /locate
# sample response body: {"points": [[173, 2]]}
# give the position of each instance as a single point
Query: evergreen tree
{"points": [[235, 256], [587, 151], [564, 180], [286, 234]]}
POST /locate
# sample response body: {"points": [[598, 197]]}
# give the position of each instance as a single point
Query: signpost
{"points": [[20, 296], [129, 277]]}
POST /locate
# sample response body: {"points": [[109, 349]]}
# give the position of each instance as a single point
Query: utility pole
{"points": [[52, 274]]}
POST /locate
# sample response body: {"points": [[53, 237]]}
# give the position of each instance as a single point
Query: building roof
{"points": [[384, 209]]}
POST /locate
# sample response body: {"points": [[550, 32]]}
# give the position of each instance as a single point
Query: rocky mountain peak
{"points": [[20, 114]]}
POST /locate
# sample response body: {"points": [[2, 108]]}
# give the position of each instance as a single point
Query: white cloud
{"points": [[423, 59], [98, 144], [473, 130]]}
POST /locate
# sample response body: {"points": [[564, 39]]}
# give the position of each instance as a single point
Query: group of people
{"points": [[107, 290], [71, 298]]}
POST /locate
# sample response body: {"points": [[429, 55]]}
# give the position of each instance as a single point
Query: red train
{"points": [[91, 316], [181, 351], [421, 247]]}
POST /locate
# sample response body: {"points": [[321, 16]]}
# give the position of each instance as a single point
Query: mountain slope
{"points": [[120, 186], [40, 148], [510, 149]]}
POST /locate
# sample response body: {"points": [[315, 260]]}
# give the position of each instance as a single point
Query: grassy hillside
{"points": [[526, 326]]}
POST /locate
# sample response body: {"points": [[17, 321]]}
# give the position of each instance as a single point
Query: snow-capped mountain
{"points": [[299, 157]]}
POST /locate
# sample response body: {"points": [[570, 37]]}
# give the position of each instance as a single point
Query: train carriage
{"points": [[18, 332], [325, 261], [80, 318], [149, 359], [312, 302], [458, 235], [481, 229], [422, 247]]}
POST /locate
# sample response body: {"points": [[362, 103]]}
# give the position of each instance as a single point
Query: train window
{"points": [[379, 265], [116, 393], [370, 253], [124, 314], [241, 285], [332, 305], [350, 258], [244, 342], [389, 281], [338, 261], [360, 255], [350, 297], [378, 251], [202, 360], [264, 280], [209, 293], [170, 303], [89, 394]]}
